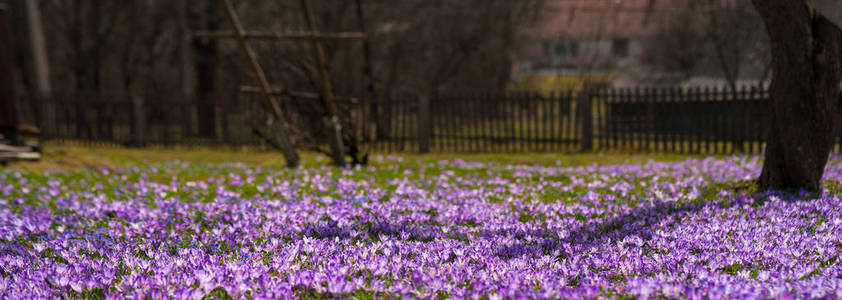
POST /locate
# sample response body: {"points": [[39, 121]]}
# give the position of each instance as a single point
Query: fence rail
{"points": [[700, 120]]}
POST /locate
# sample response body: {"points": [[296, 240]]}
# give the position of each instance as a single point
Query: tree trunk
{"points": [[8, 109], [804, 94], [205, 56], [185, 67], [45, 109], [95, 52]]}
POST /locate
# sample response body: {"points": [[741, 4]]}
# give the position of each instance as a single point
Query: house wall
{"points": [[590, 54], [601, 29]]}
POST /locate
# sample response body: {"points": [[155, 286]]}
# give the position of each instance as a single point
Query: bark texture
{"points": [[206, 51], [8, 109], [804, 93]]}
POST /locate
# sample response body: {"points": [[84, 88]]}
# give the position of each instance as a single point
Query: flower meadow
{"points": [[444, 229]]}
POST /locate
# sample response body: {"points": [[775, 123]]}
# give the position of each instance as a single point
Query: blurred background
{"points": [[430, 75]]}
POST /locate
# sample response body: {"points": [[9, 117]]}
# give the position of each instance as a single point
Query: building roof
{"points": [[605, 19]]}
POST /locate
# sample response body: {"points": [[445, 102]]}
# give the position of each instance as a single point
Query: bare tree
{"points": [[804, 93], [103, 47], [677, 46], [417, 47], [733, 32], [463, 44], [725, 35]]}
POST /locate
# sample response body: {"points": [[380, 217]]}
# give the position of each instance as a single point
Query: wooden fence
{"points": [[692, 120], [526, 122], [703, 120], [674, 120]]}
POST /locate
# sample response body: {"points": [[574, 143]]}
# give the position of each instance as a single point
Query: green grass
{"points": [[62, 157]]}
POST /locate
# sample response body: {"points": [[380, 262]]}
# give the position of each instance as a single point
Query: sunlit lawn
{"points": [[193, 223]]}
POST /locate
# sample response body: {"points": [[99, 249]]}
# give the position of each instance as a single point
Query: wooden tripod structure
{"points": [[280, 139]]}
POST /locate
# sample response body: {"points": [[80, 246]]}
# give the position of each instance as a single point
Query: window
{"points": [[565, 49], [573, 47], [560, 49], [621, 47], [561, 52]]}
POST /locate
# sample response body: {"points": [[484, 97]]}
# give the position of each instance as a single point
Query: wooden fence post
{"points": [[47, 117], [585, 109], [218, 130], [334, 139], [425, 128], [138, 123]]}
